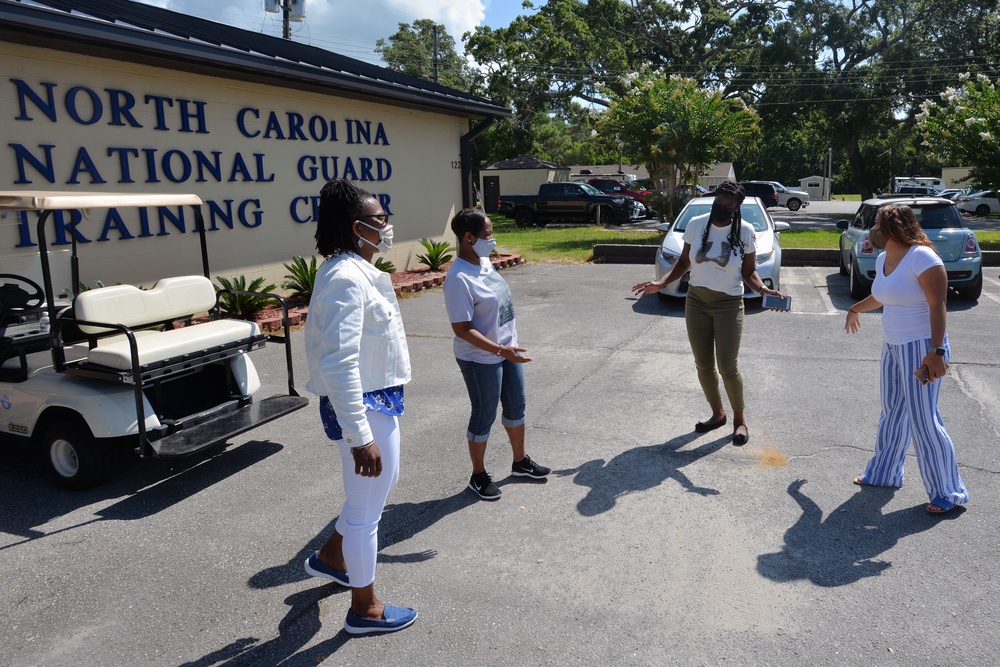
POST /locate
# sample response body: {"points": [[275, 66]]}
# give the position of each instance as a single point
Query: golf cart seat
{"points": [[157, 352]]}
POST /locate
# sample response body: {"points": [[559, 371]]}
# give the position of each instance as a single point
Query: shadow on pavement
{"points": [[149, 487], [639, 469], [844, 547]]}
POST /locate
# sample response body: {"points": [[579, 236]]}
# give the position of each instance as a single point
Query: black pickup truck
{"points": [[569, 202]]}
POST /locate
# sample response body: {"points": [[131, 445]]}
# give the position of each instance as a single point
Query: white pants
{"points": [[365, 499], [910, 411]]}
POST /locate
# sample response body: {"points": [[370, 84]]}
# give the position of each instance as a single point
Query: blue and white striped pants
{"points": [[910, 411]]}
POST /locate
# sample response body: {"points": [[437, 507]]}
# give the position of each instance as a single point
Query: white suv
{"points": [[791, 199]]}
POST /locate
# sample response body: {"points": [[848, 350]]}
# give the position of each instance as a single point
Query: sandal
{"points": [[940, 506], [705, 427], [857, 481], [741, 438]]}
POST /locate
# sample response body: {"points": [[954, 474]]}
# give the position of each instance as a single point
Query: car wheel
{"points": [[75, 459], [524, 217], [840, 261], [982, 210], [794, 204], [972, 291], [859, 289], [607, 217]]}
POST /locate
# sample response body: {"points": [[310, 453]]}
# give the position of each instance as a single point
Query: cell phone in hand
{"points": [[922, 374], [777, 302]]}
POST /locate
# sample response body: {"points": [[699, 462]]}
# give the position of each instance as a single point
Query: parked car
{"points": [[569, 202], [687, 191], [949, 193], [612, 186], [791, 199], [917, 190], [754, 212], [763, 190], [980, 203], [943, 224]]}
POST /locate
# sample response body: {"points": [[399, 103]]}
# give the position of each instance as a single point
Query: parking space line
{"points": [[995, 283]]}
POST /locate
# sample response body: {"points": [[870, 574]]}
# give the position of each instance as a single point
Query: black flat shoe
{"points": [[705, 427], [741, 438]]}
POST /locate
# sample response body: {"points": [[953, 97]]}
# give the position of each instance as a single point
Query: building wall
{"points": [[952, 176], [523, 181], [254, 153]]}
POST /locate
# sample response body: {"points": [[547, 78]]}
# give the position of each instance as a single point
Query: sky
{"points": [[351, 27]]}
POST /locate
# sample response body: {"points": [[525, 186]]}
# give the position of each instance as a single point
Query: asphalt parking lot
{"points": [[648, 545]]}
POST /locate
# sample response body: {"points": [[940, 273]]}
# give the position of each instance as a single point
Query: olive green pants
{"points": [[715, 327]]}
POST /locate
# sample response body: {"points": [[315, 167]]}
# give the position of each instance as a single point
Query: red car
{"points": [[613, 186]]}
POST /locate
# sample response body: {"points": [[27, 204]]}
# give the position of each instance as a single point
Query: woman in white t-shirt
{"points": [[481, 312], [724, 259], [911, 286]]}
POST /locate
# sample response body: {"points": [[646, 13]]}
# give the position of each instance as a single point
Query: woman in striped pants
{"points": [[911, 285]]}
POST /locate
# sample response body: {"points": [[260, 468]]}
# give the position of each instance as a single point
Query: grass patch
{"points": [[562, 244], [988, 240], [810, 238]]}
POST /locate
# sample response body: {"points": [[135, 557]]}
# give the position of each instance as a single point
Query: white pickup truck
{"points": [[119, 369]]}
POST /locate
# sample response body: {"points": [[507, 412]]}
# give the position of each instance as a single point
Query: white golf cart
{"points": [[117, 368]]}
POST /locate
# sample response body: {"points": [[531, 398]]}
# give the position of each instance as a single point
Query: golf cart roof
{"points": [[28, 200]]}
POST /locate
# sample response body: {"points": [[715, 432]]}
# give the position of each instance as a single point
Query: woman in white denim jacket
{"points": [[358, 364]]}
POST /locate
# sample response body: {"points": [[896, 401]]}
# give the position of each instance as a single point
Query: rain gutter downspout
{"points": [[465, 155]]}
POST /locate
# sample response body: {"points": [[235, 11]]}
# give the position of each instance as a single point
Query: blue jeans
{"points": [[490, 385]]}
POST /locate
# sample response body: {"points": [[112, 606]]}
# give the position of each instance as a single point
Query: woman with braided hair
{"points": [[358, 364], [724, 259]]}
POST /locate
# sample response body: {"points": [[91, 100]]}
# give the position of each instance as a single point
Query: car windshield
{"points": [[750, 212], [938, 217], [590, 189]]}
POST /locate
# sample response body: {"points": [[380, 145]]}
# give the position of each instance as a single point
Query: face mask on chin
{"points": [[384, 237]]}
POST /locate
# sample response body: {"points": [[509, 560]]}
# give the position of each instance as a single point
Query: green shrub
{"points": [[301, 277], [243, 306], [382, 264], [438, 253]]}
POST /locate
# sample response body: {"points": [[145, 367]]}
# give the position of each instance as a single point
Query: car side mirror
{"points": [[781, 226], [664, 226], [842, 224]]}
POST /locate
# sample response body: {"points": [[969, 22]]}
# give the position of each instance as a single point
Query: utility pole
{"points": [[434, 59], [286, 11]]}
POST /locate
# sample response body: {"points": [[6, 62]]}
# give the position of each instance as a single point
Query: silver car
{"points": [[754, 212]]}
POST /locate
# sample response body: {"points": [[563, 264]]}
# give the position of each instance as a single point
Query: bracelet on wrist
{"points": [[500, 349], [362, 447]]}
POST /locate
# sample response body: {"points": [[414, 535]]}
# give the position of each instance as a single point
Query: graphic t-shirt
{"points": [[716, 266], [478, 294]]}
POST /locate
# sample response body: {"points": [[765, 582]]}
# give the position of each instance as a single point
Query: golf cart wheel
{"points": [[794, 204], [75, 459], [982, 210]]}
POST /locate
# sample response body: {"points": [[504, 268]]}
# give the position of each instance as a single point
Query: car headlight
{"points": [[618, 200], [669, 257], [763, 257]]}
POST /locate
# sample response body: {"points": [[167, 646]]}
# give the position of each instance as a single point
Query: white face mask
{"points": [[384, 237], [483, 247]]}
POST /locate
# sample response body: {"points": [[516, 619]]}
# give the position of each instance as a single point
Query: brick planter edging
{"points": [[418, 283]]}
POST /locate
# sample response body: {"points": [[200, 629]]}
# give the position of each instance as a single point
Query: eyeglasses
{"points": [[381, 218]]}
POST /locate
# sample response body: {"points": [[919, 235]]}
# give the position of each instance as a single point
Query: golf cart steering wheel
{"points": [[16, 299]]}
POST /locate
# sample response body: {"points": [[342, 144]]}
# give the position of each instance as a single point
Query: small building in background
{"points": [[818, 187], [519, 175]]}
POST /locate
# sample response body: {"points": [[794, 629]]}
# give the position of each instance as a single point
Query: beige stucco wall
{"points": [[411, 158], [522, 181]]}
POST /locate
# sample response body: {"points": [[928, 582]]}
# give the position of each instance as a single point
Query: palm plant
{"points": [[438, 253], [243, 306], [385, 265], [301, 277]]}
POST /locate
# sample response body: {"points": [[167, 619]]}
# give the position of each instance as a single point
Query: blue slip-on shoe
{"points": [[317, 568], [940, 506], [393, 618]]}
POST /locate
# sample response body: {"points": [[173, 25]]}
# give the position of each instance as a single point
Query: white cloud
{"points": [[348, 28]]}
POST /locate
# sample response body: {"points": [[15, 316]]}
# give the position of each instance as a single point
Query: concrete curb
{"points": [[622, 253]]}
